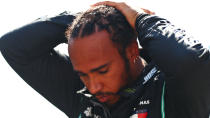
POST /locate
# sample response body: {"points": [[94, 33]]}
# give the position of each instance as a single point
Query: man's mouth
{"points": [[102, 98]]}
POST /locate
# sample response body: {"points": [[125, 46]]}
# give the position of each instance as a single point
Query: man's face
{"points": [[100, 66]]}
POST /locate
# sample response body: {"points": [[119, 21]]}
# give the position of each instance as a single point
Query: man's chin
{"points": [[108, 99], [103, 98]]}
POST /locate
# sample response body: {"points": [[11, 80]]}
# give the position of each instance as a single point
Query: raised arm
{"points": [[30, 52], [171, 48]]}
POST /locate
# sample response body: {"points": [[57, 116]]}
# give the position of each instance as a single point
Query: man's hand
{"points": [[130, 13]]}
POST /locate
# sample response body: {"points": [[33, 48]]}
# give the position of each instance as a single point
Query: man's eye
{"points": [[103, 72], [82, 74]]}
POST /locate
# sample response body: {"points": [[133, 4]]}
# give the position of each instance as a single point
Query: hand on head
{"points": [[130, 13]]}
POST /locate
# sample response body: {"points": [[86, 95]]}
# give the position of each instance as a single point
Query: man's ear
{"points": [[132, 50]]}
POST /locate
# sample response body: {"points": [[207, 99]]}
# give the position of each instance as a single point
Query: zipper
{"points": [[107, 113]]}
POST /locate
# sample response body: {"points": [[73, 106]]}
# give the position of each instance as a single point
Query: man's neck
{"points": [[138, 68]]}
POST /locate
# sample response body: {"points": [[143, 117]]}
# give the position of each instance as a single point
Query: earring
{"points": [[134, 61]]}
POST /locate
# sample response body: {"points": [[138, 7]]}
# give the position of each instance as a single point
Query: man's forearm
{"points": [[29, 51], [37, 38]]}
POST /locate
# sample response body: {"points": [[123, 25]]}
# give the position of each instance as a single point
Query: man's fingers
{"points": [[117, 5], [108, 3], [148, 11], [129, 12]]}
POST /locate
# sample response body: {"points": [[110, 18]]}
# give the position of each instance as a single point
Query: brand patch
{"points": [[140, 114], [149, 75], [144, 102], [88, 113]]}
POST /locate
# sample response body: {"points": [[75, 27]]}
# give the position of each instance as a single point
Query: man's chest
{"points": [[151, 102]]}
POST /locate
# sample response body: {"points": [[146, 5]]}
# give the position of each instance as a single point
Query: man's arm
{"points": [[185, 63], [29, 51], [170, 47], [175, 52]]}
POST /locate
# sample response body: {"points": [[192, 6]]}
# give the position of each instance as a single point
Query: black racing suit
{"points": [[174, 84]]}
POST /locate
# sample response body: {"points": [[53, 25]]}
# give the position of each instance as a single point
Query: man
{"points": [[103, 48], [104, 53]]}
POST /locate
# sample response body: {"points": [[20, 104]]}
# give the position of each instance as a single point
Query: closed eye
{"points": [[103, 72], [81, 74]]}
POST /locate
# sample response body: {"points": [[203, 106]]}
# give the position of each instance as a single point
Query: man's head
{"points": [[102, 48]]}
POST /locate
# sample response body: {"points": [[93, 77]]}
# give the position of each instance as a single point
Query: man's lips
{"points": [[102, 98]]}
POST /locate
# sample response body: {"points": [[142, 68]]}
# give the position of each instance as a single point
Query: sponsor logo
{"points": [[149, 75], [140, 114], [88, 113], [145, 102]]}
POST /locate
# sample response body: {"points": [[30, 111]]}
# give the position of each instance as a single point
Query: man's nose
{"points": [[95, 86]]}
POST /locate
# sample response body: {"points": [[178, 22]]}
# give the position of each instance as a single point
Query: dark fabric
{"points": [[185, 63], [30, 52], [181, 62]]}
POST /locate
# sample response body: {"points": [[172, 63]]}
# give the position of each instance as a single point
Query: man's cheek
{"points": [[85, 82]]}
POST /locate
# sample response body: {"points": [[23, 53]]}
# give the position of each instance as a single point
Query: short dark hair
{"points": [[103, 18]]}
